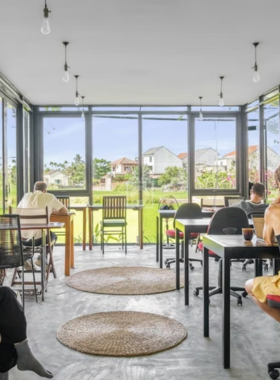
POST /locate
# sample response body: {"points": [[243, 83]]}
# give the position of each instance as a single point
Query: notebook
{"points": [[258, 225]]}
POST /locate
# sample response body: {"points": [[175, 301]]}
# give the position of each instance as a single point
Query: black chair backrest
{"points": [[114, 207], [11, 255], [229, 221], [188, 211], [230, 201], [65, 200]]}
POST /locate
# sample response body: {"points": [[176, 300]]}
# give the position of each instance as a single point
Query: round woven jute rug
{"points": [[124, 280], [121, 333]]}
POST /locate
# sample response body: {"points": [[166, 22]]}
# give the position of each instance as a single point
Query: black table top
{"points": [[236, 247]]}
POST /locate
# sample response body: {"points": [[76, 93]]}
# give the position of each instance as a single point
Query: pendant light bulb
{"points": [[65, 76], [200, 111], [45, 26], [76, 100], [221, 100], [83, 111], [256, 75]]}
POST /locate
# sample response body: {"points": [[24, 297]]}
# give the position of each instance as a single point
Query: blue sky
{"points": [[114, 138]]}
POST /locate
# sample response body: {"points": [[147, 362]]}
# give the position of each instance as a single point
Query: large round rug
{"points": [[121, 333], [124, 280]]}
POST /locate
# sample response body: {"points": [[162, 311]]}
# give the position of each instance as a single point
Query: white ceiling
{"points": [[156, 52]]}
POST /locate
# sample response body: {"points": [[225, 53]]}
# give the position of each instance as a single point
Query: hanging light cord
{"points": [[221, 93]]}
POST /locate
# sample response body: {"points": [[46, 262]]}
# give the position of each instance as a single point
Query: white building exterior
{"points": [[57, 178], [123, 165], [160, 158]]}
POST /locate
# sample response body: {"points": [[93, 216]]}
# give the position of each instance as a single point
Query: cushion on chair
{"points": [[200, 247], [113, 222], [171, 233], [273, 300]]}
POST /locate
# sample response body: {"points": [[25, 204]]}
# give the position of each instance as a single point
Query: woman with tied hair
{"points": [[259, 287]]}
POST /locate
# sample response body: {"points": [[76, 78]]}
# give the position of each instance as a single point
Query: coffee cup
{"points": [[248, 233]]}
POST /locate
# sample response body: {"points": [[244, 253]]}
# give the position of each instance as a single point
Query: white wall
{"points": [[164, 158]]}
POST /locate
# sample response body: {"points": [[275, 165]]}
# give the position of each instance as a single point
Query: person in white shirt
{"points": [[40, 198]]}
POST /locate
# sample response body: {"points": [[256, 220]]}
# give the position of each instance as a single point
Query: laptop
{"points": [[258, 223]]}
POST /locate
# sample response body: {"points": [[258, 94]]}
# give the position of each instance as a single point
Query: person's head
{"points": [[40, 186], [257, 191], [277, 177]]}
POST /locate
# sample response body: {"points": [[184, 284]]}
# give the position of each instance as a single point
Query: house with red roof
{"points": [[273, 159], [123, 166]]}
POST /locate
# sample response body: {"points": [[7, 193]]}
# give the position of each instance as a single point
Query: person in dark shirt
{"points": [[14, 347], [255, 203]]}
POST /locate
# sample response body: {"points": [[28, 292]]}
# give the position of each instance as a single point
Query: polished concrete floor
{"points": [[255, 336]]}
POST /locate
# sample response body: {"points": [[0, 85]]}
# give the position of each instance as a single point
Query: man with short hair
{"points": [[40, 198], [255, 203]]}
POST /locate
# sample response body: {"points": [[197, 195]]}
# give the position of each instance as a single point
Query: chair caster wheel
{"points": [[239, 302], [191, 267], [244, 294], [266, 267], [243, 269], [196, 292], [201, 263], [167, 266], [274, 374]]}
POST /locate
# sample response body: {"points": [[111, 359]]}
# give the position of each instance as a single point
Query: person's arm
{"points": [[58, 208], [268, 233], [62, 211]]}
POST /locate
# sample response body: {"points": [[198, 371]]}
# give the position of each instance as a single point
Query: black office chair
{"points": [[229, 221], [11, 251], [185, 211], [168, 203], [273, 301]]}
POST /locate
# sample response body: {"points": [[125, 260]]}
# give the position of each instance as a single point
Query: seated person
{"points": [[259, 287], [40, 198], [14, 348], [254, 204]]}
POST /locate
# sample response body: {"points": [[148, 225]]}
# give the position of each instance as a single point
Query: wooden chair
{"points": [[37, 216], [65, 200], [11, 250], [114, 219], [211, 202]]}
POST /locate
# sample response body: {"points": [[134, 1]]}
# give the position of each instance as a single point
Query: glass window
{"points": [[61, 109], [1, 157], [26, 151], [165, 167], [272, 140], [253, 121], [64, 153], [271, 94], [215, 109], [116, 108], [165, 108], [11, 159], [253, 104], [215, 153], [115, 167]]}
